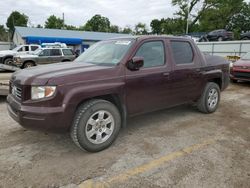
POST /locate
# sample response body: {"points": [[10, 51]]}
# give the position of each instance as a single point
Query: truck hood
{"points": [[242, 63], [7, 52], [62, 73]]}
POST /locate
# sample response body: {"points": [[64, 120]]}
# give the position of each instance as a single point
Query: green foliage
{"points": [[54, 22], [141, 29], [16, 19], [3, 34], [70, 27], [240, 22], [167, 26], [98, 23], [39, 26], [114, 29], [127, 30]]}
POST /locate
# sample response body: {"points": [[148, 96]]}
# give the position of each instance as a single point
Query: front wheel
{"points": [[209, 101], [28, 64], [96, 125], [8, 61]]}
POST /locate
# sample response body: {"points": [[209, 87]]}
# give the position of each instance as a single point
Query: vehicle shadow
{"points": [[2, 99]]}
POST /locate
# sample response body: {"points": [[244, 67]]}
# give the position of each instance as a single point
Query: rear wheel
{"points": [[234, 81], [28, 64], [245, 38], [220, 39], [8, 61], [209, 101], [96, 125]]}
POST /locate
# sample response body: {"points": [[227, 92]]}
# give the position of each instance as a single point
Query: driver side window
{"points": [[153, 53]]}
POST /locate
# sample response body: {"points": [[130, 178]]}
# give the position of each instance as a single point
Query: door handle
{"points": [[166, 74]]}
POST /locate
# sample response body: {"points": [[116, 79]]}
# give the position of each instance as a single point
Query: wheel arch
{"points": [[114, 99], [26, 61], [7, 56]]}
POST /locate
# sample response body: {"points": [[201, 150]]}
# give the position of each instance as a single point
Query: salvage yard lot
{"points": [[175, 147]]}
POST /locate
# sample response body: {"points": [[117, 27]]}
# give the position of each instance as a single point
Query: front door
{"points": [[148, 88], [44, 57]]}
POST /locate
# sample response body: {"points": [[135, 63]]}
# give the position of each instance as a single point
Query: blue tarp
{"points": [[40, 40]]}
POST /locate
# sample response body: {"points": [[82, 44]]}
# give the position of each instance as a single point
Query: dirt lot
{"points": [[176, 147]]}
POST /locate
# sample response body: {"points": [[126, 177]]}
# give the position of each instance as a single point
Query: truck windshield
{"points": [[246, 56], [105, 52]]}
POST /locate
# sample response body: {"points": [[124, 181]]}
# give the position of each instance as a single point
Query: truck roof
{"points": [[142, 37]]}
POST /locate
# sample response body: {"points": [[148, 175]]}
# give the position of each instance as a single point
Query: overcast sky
{"points": [[77, 12]]}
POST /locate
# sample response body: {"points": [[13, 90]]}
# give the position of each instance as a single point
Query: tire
{"points": [[8, 61], [28, 64], [91, 121], [209, 101], [245, 38], [220, 39], [234, 81], [65, 60]]}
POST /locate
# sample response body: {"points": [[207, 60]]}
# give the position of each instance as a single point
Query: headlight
{"points": [[40, 92]]}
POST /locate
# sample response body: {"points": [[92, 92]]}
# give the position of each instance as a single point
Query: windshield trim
{"points": [[109, 63]]}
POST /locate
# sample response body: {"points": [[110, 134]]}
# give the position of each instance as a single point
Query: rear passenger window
{"points": [[33, 48], [152, 52], [55, 52], [182, 52], [67, 52]]}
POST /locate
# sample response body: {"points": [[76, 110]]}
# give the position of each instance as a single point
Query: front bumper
{"points": [[240, 74], [1, 60], [53, 119]]}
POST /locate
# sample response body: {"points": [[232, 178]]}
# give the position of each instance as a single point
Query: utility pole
{"points": [[63, 20], [187, 17]]}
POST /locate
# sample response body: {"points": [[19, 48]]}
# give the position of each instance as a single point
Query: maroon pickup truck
{"points": [[113, 80]]}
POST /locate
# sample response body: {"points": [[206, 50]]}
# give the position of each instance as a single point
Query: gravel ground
{"points": [[36, 159]]}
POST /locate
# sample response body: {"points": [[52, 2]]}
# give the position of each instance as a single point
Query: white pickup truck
{"points": [[6, 56]]}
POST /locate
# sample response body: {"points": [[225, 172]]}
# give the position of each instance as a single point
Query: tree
{"points": [[70, 27], [127, 30], [224, 15], [240, 22], [98, 23], [167, 26], [192, 11], [114, 29], [16, 19], [54, 22], [39, 26], [141, 29], [3, 34], [156, 26]]}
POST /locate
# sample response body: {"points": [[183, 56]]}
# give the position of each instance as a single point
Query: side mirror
{"points": [[135, 63]]}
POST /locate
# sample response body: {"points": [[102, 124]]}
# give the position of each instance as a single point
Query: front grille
{"points": [[242, 74], [16, 92]]}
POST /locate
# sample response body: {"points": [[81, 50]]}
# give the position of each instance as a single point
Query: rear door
{"points": [[44, 57], [56, 55], [186, 76]]}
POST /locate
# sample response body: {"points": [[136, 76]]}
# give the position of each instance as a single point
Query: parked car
{"points": [[6, 56], [245, 36], [218, 35], [112, 81], [44, 56], [241, 69]]}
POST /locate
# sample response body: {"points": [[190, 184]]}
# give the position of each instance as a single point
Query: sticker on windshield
{"points": [[123, 42]]}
